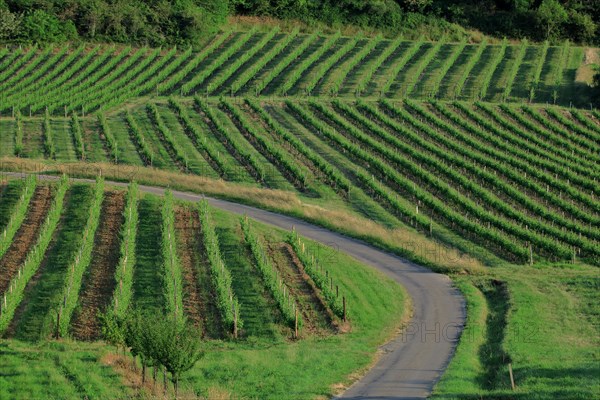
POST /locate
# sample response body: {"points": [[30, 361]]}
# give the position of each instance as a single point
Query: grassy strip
{"points": [[508, 86], [82, 260], [58, 370], [34, 258], [48, 137], [124, 270], [172, 275], [473, 60], [19, 134], [17, 215], [540, 319], [489, 74], [462, 374], [311, 266], [221, 277], [146, 153], [77, 137], [283, 297], [111, 142]]}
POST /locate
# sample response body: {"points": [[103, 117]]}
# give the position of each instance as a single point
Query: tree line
{"points": [[150, 22], [539, 20], [160, 22]]}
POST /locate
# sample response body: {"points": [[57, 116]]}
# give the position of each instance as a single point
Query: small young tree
{"points": [[181, 348], [135, 340], [113, 328]]}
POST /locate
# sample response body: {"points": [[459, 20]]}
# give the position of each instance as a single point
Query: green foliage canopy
{"points": [[154, 22]]}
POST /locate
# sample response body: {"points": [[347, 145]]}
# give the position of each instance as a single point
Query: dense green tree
{"points": [[580, 27], [521, 5], [167, 22], [41, 26], [551, 15], [10, 23]]}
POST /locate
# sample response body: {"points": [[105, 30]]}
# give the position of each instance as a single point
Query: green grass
{"points": [[33, 142], [35, 317], [54, 370], [63, 142], [9, 197], [127, 151], [550, 336], [148, 292], [7, 137]]}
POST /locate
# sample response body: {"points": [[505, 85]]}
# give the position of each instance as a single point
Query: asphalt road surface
{"points": [[413, 362]]}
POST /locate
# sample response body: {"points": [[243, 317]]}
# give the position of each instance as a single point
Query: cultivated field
{"points": [[520, 181], [86, 79], [471, 159]]}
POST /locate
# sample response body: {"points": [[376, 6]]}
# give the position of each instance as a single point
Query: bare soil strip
{"points": [[199, 299], [99, 280], [316, 316], [185, 225], [26, 235]]}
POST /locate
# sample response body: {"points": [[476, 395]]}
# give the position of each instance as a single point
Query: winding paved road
{"points": [[413, 362]]}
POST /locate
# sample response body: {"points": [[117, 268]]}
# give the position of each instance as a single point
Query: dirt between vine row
{"points": [[317, 318], [26, 235], [199, 298], [99, 280]]}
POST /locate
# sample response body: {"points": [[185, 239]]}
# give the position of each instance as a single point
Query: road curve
{"points": [[413, 362]]}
